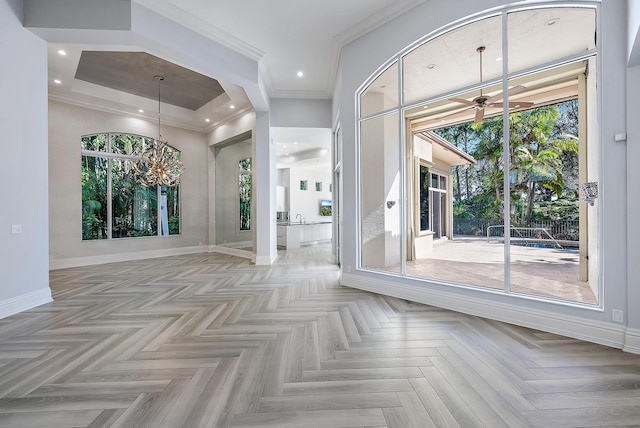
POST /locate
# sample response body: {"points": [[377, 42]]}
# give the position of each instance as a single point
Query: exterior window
{"points": [[244, 190], [497, 146], [438, 201], [114, 204], [424, 198], [433, 200]]}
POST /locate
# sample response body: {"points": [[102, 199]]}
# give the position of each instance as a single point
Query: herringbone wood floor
{"points": [[209, 340]]}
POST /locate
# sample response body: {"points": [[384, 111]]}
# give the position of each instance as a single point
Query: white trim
{"points": [[124, 257], [604, 333], [24, 302], [632, 341], [232, 252], [266, 260]]}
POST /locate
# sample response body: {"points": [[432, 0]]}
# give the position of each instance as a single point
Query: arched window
{"points": [[114, 204], [449, 194]]}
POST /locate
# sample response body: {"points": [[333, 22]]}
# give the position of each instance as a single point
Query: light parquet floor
{"points": [[208, 340]]}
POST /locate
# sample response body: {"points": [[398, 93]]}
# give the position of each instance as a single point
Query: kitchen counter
{"points": [[295, 223], [292, 235]]}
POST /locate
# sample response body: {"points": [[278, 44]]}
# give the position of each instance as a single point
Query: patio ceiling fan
{"points": [[481, 102]]}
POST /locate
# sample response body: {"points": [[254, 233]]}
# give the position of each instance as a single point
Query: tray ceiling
{"points": [[133, 73]]}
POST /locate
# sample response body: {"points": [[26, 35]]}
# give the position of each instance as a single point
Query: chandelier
{"points": [[159, 164]]}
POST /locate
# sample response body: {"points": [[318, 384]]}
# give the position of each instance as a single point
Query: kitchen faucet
{"points": [[300, 221]]}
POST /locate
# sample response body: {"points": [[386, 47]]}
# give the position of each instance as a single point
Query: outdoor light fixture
{"points": [[159, 164], [589, 192]]}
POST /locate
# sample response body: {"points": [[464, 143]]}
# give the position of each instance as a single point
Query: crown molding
{"points": [[237, 114], [93, 105], [321, 95], [196, 24]]}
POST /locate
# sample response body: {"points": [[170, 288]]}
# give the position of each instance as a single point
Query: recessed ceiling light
{"points": [[552, 21], [300, 74], [207, 120], [232, 106], [62, 52], [425, 107], [499, 58], [140, 111], [431, 66], [57, 81]]}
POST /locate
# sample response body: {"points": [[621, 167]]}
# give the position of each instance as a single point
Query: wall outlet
{"points": [[617, 315], [16, 228]]}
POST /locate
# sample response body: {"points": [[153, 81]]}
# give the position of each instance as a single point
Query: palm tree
{"points": [[536, 155], [488, 154]]}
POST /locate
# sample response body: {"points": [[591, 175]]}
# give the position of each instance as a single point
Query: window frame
{"points": [[108, 155], [406, 163]]}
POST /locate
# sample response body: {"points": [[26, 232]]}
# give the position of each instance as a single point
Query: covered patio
{"points": [[539, 271]]}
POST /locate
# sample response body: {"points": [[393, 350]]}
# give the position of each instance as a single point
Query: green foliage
{"points": [[174, 225], [543, 165], [134, 205], [561, 209], [94, 198], [134, 208], [244, 190]]}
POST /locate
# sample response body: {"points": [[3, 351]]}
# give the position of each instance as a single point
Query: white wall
{"points": [[633, 38], [307, 202], [300, 113], [633, 171], [67, 123], [242, 125], [362, 57], [633, 197], [227, 203], [24, 267]]}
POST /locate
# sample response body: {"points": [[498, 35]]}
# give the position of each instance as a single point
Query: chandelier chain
{"points": [[159, 164]]}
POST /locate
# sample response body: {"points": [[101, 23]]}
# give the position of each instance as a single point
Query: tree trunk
{"points": [[532, 194], [496, 184], [458, 194], [466, 181]]}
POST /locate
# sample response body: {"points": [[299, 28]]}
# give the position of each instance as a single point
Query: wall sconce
{"points": [[589, 192]]}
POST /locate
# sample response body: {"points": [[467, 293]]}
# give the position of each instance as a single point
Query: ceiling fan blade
{"points": [[520, 104], [516, 90], [454, 114], [479, 115], [512, 91], [512, 104], [496, 97], [463, 101]]}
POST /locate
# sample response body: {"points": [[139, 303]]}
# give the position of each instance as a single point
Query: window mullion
{"points": [[505, 155], [109, 191]]}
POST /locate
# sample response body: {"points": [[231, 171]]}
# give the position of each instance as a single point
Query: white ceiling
{"points": [[286, 37], [308, 147]]}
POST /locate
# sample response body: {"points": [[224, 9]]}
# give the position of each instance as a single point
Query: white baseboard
{"points": [[266, 260], [124, 257], [632, 341], [232, 252], [604, 333], [25, 301]]}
